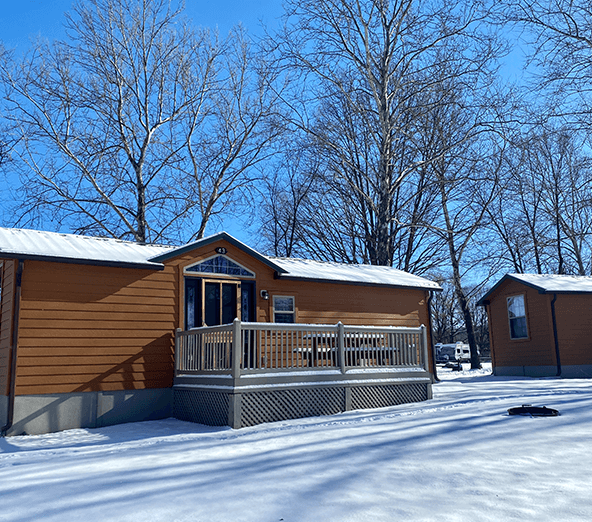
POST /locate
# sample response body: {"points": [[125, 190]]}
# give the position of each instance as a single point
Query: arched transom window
{"points": [[221, 265]]}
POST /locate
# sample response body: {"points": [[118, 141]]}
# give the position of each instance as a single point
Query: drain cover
{"points": [[533, 411]]}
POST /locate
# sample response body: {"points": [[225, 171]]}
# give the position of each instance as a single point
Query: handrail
{"points": [[246, 347]]}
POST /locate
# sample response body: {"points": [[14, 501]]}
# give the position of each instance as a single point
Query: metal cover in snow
{"points": [[533, 411]]}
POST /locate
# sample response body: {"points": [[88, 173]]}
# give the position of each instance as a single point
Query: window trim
{"points": [[274, 311], [187, 272], [527, 337]]}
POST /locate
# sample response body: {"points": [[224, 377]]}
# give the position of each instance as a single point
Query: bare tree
{"points": [[445, 320], [138, 123], [361, 72], [561, 48], [543, 211], [288, 196], [517, 213], [468, 156]]}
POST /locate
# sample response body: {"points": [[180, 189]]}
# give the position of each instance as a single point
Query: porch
{"points": [[244, 373]]}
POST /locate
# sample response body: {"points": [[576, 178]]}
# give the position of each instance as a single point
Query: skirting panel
{"points": [[256, 407], [366, 397], [201, 406], [260, 407], [36, 414]]}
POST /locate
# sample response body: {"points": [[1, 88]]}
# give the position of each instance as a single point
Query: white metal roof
{"points": [[556, 283], [71, 247], [55, 246], [361, 274]]}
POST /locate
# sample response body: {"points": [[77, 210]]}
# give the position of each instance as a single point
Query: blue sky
{"points": [[24, 20], [21, 20]]}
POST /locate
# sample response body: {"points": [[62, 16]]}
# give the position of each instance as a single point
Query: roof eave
{"points": [[355, 283], [82, 261], [485, 299]]}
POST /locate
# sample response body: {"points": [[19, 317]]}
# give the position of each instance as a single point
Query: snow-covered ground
{"points": [[458, 457]]}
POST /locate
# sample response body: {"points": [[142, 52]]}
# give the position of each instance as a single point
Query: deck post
{"points": [[424, 342], [235, 411], [236, 348], [177, 350], [341, 346]]}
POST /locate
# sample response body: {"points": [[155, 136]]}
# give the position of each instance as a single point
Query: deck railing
{"points": [[240, 348]]}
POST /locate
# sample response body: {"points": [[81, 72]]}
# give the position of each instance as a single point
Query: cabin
{"points": [[96, 332], [539, 325]]}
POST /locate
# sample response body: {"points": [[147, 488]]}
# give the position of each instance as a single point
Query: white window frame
{"points": [[285, 312], [517, 317]]}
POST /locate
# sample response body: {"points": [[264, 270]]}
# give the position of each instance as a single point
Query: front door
{"points": [[220, 302], [212, 302]]}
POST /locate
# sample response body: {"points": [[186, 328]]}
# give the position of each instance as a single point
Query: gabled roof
{"points": [[173, 252], [71, 248], [546, 284], [354, 274]]}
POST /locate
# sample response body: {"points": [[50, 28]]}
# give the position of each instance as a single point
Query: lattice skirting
{"points": [[201, 406], [215, 408], [367, 397], [260, 407]]}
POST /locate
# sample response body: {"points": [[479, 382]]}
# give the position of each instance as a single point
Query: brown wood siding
{"points": [[574, 328], [324, 303], [7, 279], [88, 328], [539, 348]]}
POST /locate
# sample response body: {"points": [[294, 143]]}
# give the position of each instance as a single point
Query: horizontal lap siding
{"points": [[574, 328], [317, 302], [328, 303], [324, 303], [88, 328], [539, 348], [7, 274]]}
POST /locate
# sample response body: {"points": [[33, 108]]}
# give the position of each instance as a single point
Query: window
{"points": [[284, 310], [219, 265], [517, 317]]}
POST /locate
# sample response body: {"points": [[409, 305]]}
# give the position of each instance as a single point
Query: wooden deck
{"points": [[242, 374]]}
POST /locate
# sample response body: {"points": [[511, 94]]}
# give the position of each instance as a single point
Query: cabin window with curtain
{"points": [[284, 310], [517, 317]]}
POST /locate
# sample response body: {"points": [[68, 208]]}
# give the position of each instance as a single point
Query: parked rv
{"points": [[452, 352], [445, 352]]}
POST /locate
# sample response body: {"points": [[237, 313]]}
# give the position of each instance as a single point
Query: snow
{"points": [[63, 247], [556, 283], [59, 246], [458, 457], [339, 272]]}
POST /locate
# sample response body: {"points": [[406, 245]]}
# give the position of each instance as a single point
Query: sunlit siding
{"points": [[92, 328], [539, 348], [88, 328], [574, 328]]}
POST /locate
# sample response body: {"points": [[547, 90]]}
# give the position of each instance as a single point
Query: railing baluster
{"points": [[262, 347]]}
